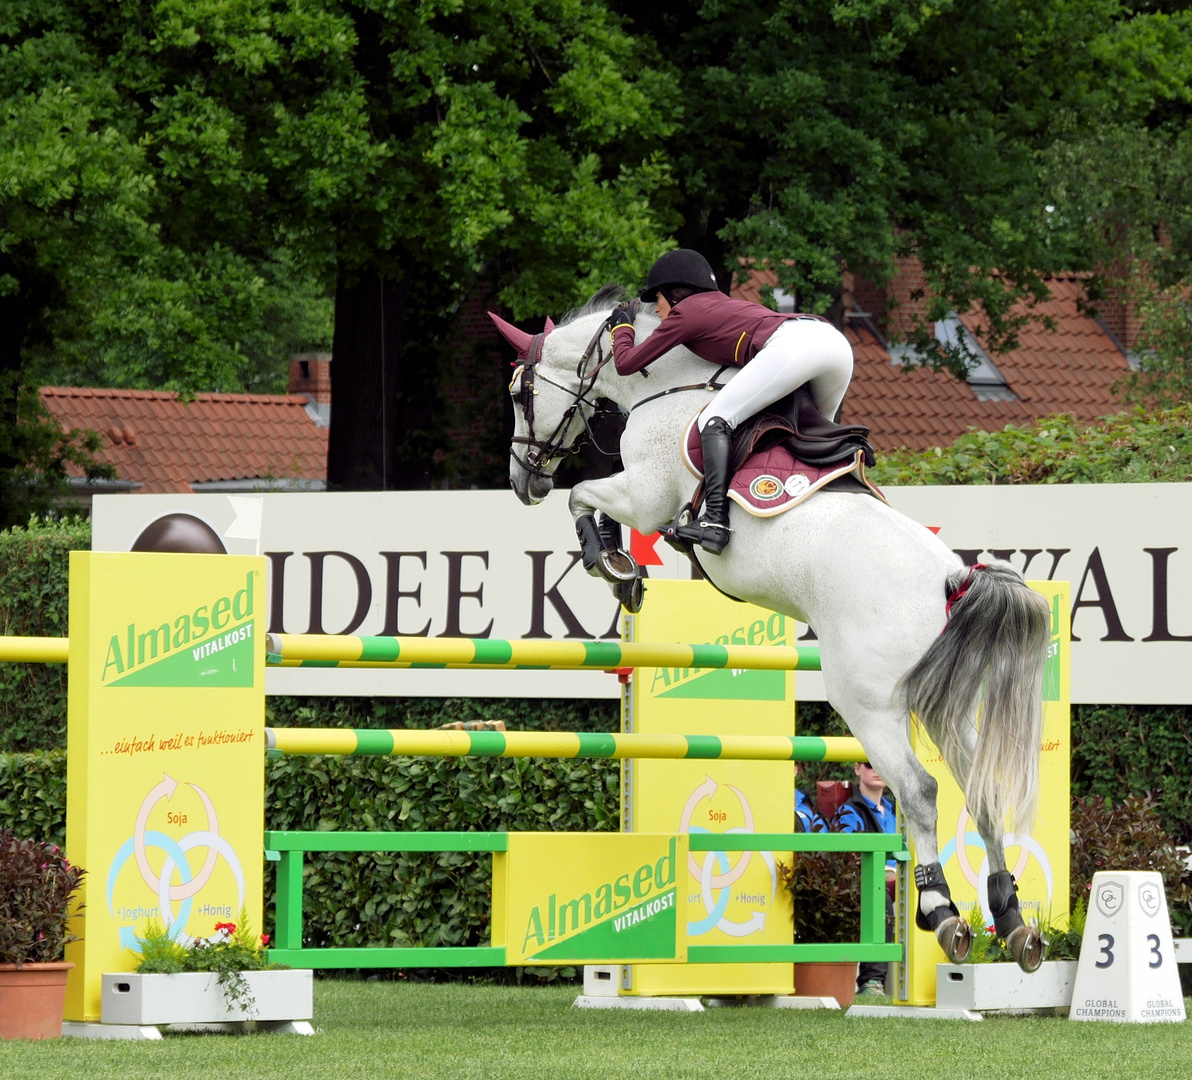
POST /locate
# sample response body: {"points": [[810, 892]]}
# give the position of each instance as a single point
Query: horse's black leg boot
{"points": [[1025, 943], [950, 930], [712, 532], [598, 560], [1003, 903], [590, 543]]}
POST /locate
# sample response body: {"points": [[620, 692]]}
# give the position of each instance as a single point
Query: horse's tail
{"points": [[992, 650]]}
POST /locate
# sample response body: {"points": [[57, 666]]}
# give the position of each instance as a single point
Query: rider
{"points": [[778, 353]]}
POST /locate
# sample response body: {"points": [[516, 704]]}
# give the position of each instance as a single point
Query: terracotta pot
{"points": [[32, 1000], [836, 980]]}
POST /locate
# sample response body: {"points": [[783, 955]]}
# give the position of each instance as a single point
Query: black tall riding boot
{"points": [[712, 531]]}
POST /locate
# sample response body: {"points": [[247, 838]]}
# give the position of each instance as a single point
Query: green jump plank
{"points": [[847, 952], [446, 957], [387, 841]]}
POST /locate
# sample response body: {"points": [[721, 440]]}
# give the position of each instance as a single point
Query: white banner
{"points": [[479, 564]]}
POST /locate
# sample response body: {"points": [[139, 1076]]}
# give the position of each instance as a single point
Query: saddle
{"points": [[787, 452]]}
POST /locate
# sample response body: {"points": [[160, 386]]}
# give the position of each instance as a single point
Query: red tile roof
{"points": [[1070, 368], [154, 439]]}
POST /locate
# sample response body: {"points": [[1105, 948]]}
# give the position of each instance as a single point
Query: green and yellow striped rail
{"points": [[327, 650], [553, 744], [34, 650]]}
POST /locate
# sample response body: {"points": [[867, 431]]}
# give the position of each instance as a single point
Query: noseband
{"points": [[542, 452]]}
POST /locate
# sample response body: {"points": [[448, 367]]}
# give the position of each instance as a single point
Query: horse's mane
{"points": [[609, 296]]}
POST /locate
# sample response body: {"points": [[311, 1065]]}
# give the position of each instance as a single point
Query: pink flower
{"points": [[264, 939]]}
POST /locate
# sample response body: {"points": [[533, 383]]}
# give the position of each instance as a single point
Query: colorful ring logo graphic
{"points": [[715, 906], [162, 885]]}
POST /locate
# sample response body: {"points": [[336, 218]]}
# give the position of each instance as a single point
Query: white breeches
{"points": [[799, 351]]}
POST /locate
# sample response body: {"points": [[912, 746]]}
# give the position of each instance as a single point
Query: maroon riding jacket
{"points": [[715, 327]]}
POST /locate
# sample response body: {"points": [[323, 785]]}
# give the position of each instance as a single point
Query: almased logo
{"points": [[631, 916], [209, 646], [729, 684]]}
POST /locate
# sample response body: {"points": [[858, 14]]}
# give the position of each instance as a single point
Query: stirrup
{"points": [[711, 536]]}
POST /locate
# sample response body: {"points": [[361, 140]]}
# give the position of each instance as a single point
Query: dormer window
{"points": [[785, 301], [988, 384]]}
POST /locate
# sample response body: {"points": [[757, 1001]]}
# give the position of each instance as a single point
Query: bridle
{"points": [[541, 453]]}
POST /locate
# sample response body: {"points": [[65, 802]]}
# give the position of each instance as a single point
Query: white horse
{"points": [[877, 588]]}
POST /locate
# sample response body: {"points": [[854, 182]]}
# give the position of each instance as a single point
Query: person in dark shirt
{"points": [[870, 810], [778, 353]]}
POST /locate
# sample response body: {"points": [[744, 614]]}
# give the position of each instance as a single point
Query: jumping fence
{"points": [[287, 848]]}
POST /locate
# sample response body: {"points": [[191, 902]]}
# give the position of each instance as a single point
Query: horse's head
{"points": [[553, 395]]}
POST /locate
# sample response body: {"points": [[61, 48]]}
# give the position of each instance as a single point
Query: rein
{"points": [[710, 386]]}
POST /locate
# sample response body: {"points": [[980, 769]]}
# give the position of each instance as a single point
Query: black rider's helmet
{"points": [[680, 267]]}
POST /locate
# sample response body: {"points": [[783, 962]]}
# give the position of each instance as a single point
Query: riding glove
{"points": [[620, 317]]}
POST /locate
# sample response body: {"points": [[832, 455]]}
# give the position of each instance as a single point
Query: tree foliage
{"points": [[188, 184], [837, 134]]}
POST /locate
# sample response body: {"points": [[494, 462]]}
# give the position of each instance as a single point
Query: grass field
{"points": [[532, 1033]]}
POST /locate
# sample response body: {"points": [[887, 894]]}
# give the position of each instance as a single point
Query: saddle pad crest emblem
{"points": [[766, 487]]}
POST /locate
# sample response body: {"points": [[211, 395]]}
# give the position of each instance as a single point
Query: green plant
{"points": [[1063, 942], [1127, 835], [37, 885], [233, 950], [826, 886]]}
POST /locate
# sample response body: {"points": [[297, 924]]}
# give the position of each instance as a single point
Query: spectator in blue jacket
{"points": [[807, 818]]}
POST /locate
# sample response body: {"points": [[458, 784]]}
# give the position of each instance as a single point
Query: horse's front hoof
{"points": [[955, 938], [1027, 946], [631, 594], [617, 566]]}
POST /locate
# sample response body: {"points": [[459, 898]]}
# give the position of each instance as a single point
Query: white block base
{"points": [[602, 980], [667, 1004], [75, 1029], [912, 1012], [772, 1001]]}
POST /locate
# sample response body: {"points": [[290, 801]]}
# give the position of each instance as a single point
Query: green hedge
{"points": [[33, 603], [33, 795], [399, 899], [521, 714]]}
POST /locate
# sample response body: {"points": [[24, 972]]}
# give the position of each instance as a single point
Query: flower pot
{"points": [[836, 980], [197, 998], [32, 1000], [995, 987]]}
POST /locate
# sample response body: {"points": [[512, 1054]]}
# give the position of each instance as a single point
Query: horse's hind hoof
{"points": [[1027, 946], [955, 938]]}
